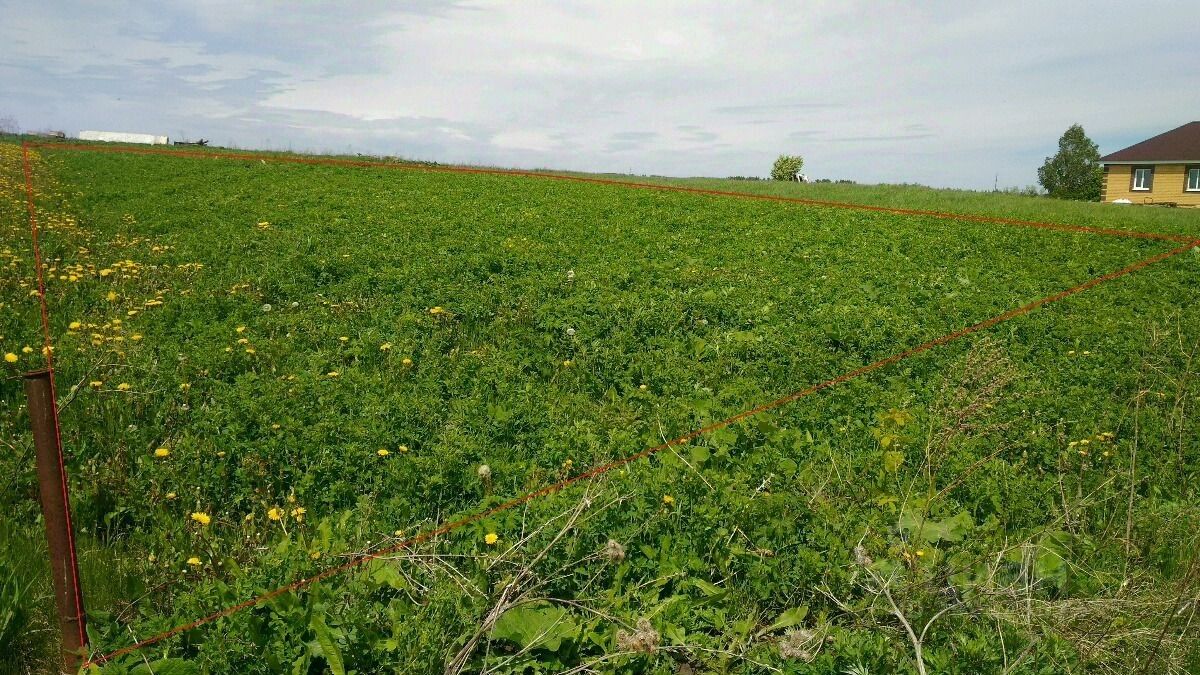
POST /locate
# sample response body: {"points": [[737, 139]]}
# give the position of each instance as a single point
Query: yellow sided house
{"points": [[1163, 170]]}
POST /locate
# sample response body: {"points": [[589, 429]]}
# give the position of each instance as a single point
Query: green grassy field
{"points": [[266, 368]]}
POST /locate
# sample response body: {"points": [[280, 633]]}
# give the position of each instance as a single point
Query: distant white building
{"points": [[122, 137]]}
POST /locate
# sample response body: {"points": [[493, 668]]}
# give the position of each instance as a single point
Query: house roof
{"points": [[1182, 144]]}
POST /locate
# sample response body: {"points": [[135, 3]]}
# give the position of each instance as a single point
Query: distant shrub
{"points": [[786, 167], [1027, 191]]}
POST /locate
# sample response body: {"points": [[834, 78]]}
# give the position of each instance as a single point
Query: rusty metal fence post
{"points": [[56, 509]]}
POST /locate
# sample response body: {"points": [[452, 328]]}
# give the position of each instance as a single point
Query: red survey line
{"points": [[333, 161], [48, 352], [361, 559]]}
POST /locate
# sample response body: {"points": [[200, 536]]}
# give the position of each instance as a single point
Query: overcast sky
{"points": [[942, 93]]}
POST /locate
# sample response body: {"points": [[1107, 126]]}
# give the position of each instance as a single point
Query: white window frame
{"points": [[1190, 185], [1148, 181]]}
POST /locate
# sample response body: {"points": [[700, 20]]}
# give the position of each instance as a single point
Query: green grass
{"points": [[28, 638], [1182, 221], [581, 324]]}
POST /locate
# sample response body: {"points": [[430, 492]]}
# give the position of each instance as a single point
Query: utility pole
{"points": [[56, 511]]}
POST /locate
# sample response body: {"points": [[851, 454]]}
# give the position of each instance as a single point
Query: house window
{"points": [[1143, 177], [1193, 179]]}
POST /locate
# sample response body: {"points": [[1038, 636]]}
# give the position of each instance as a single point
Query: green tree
{"points": [[786, 167], [1073, 173]]}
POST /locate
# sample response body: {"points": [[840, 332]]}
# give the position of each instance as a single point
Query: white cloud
{"points": [[536, 141], [946, 93]]}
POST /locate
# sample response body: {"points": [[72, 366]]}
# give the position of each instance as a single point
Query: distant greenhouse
{"points": [[122, 137]]}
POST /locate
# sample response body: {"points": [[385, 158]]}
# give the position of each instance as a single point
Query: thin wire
{"points": [[605, 468], [48, 353]]}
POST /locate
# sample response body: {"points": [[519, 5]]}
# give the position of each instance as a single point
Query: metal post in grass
{"points": [[52, 488]]}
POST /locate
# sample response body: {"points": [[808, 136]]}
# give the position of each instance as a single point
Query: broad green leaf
{"points": [[329, 648], [708, 589], [384, 573], [892, 459], [789, 618], [932, 531], [537, 625]]}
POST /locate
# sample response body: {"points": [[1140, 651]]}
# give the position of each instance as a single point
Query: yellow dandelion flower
{"points": [[275, 514], [162, 452], [27, 350], [491, 538], [135, 337], [567, 363], [124, 386], [111, 297], [184, 386], [171, 495], [382, 452], [11, 357], [193, 561], [407, 361], [96, 384], [75, 325], [403, 448], [333, 373], [385, 347], [298, 513], [343, 339], [201, 517], [241, 329], [668, 500], [315, 555]]}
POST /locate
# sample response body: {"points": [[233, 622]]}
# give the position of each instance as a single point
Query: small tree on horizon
{"points": [[1074, 172], [786, 167]]}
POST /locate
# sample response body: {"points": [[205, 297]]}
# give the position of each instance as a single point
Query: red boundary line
{"points": [[361, 559], [333, 161], [48, 353]]}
